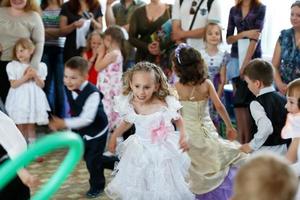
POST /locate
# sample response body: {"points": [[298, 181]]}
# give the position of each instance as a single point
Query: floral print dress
{"points": [[290, 56], [110, 84]]}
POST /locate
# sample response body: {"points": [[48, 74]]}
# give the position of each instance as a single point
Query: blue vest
{"points": [[100, 121], [274, 106]]}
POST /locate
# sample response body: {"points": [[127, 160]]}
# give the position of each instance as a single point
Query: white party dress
{"points": [[26, 103], [151, 167]]}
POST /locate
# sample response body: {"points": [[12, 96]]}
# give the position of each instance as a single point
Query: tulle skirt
{"points": [[224, 191], [149, 171]]}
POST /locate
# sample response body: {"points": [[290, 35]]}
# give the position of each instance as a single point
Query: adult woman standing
{"points": [[53, 56], [286, 58], [144, 27], [74, 14], [19, 19], [247, 16]]}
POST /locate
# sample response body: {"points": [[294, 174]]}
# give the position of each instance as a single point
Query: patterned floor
{"points": [[77, 183]]}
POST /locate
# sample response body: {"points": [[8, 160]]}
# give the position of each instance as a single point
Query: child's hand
{"points": [[112, 144], [57, 123], [154, 48], [28, 179], [246, 148], [231, 134], [183, 144]]}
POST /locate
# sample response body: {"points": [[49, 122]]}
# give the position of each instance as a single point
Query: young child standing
{"points": [[110, 66], [265, 177], [267, 110], [88, 119], [211, 171], [216, 61], [26, 102], [94, 46], [292, 126], [152, 166]]}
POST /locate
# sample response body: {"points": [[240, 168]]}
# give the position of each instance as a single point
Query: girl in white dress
{"points": [[216, 61], [26, 102], [152, 163], [292, 127]]}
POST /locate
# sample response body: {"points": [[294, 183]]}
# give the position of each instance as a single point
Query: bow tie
{"points": [[77, 91]]}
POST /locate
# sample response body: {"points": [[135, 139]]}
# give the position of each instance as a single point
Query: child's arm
{"points": [[40, 82], [264, 128], [28, 179], [292, 151], [222, 81], [230, 131], [103, 62], [85, 118], [182, 140], [14, 83], [122, 128]]}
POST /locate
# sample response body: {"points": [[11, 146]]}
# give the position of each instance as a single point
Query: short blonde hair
{"points": [[160, 78], [265, 177]]}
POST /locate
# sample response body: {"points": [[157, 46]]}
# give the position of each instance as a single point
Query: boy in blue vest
{"points": [[88, 119], [267, 110]]}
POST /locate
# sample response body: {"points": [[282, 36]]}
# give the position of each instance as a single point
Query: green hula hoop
{"points": [[41, 147]]}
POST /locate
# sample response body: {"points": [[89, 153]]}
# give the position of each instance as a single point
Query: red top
{"points": [[93, 74]]}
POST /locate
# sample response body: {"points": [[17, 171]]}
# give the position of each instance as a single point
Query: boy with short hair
{"points": [[267, 110], [88, 119]]}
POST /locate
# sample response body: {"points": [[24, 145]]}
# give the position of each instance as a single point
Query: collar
{"points": [[266, 90], [82, 86]]}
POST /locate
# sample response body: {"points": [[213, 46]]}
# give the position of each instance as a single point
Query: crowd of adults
{"points": [[55, 27]]}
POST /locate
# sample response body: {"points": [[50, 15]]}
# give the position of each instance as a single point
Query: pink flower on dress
{"points": [[160, 133]]}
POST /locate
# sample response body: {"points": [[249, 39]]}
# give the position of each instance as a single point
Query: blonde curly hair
{"points": [[160, 78]]}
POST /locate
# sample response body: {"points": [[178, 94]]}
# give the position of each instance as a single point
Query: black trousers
{"points": [[15, 190], [4, 82], [94, 161]]}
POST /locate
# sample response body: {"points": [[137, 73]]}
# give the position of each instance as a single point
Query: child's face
{"points": [[292, 105], [107, 41], [73, 79], [143, 86], [23, 55], [254, 86], [96, 41], [213, 35]]}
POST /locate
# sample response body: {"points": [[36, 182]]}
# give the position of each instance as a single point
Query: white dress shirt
{"points": [[264, 127], [88, 114], [11, 138]]}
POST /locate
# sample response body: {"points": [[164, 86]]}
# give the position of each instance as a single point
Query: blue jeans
{"points": [[54, 85]]}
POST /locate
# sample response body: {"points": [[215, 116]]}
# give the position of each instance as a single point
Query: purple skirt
{"points": [[224, 191]]}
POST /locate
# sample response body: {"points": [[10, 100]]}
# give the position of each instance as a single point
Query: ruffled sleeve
{"points": [[173, 106], [124, 108]]}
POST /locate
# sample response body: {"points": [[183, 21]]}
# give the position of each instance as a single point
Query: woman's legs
{"points": [[243, 122]]}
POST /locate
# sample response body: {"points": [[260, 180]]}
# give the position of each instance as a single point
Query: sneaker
{"points": [[93, 193], [108, 154]]}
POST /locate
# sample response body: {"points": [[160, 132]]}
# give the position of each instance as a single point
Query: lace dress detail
{"points": [[151, 167]]}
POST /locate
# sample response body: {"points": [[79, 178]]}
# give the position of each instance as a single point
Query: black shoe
{"points": [[93, 193]]}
